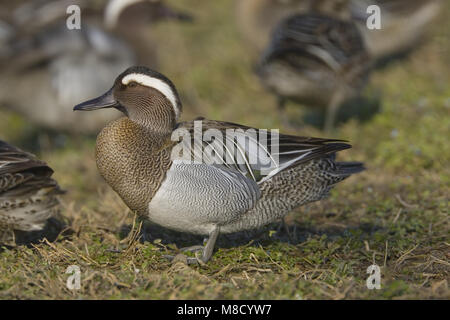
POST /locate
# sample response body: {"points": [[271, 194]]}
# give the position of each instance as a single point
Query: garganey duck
{"points": [[46, 68], [28, 194], [316, 60], [227, 185], [403, 24], [256, 19]]}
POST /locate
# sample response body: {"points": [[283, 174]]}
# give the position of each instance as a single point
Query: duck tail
{"points": [[348, 168]]}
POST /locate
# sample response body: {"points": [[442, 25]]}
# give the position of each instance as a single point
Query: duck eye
{"points": [[132, 84]]}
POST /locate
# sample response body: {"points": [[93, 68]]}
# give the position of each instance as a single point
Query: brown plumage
{"points": [[139, 157], [131, 163], [28, 194], [316, 60], [256, 19]]}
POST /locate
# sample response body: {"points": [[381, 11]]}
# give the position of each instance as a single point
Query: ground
{"points": [[394, 215]]}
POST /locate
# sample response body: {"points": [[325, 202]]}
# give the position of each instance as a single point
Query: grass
{"points": [[395, 214]]}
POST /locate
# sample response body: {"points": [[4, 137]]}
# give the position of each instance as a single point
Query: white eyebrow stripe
{"points": [[155, 83]]}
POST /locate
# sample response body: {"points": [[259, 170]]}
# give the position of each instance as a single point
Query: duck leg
{"points": [[207, 249], [285, 120], [281, 106], [284, 225], [336, 100], [7, 237]]}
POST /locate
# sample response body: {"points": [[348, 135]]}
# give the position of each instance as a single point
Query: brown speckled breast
{"points": [[133, 161]]}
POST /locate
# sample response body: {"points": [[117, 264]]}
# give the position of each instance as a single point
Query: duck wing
{"points": [[318, 38], [256, 154], [28, 194], [19, 168]]}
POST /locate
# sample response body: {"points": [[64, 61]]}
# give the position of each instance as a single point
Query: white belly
{"points": [[196, 197]]}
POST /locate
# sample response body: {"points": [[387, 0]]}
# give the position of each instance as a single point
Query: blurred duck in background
{"points": [[404, 24], [28, 194], [320, 53], [315, 60], [256, 19], [130, 20], [46, 67]]}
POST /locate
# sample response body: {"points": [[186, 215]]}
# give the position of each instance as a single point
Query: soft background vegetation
{"points": [[395, 214]]}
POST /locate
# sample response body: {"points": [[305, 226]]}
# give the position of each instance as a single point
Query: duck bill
{"points": [[104, 101]]}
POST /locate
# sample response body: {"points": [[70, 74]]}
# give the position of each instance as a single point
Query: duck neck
{"points": [[158, 131], [158, 121]]}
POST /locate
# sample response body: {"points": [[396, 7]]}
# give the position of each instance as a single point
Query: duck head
{"points": [[145, 96]]}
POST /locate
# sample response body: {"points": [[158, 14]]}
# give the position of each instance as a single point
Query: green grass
{"points": [[395, 214]]}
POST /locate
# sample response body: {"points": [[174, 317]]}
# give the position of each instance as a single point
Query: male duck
{"points": [[317, 60], [135, 155], [28, 194]]}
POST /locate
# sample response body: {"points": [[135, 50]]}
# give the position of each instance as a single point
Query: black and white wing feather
{"points": [[314, 38], [257, 155]]}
